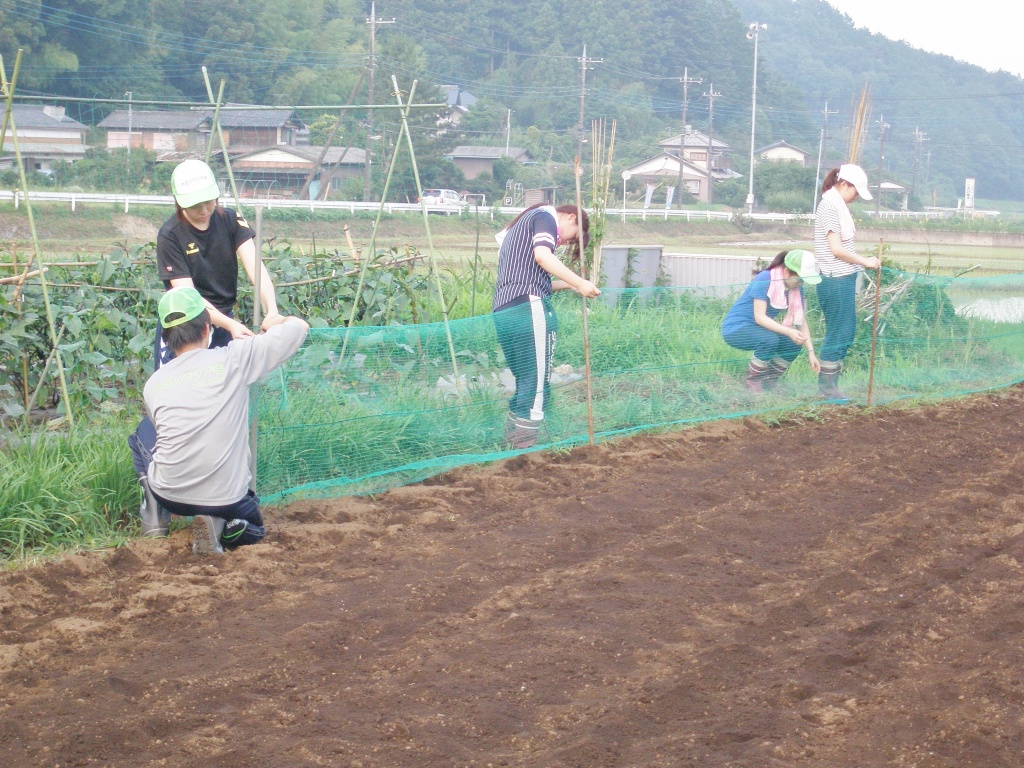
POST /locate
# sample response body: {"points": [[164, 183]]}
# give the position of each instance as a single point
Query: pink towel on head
{"points": [[782, 298]]}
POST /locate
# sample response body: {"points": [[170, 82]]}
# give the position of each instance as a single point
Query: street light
{"points": [[752, 32]]}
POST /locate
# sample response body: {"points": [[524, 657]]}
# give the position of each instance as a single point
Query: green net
{"points": [[362, 410]]}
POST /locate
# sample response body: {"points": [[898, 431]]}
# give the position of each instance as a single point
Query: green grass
{"points": [[66, 489], [377, 418], [657, 359]]}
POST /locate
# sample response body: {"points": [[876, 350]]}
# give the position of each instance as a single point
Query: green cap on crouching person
{"points": [[803, 263], [179, 305]]}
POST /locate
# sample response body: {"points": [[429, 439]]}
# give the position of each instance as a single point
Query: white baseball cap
{"points": [[855, 175], [192, 182]]}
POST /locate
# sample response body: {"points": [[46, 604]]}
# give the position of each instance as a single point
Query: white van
{"points": [[445, 200]]}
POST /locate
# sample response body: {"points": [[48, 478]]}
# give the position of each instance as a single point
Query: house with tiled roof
{"points": [[473, 161], [281, 171], [46, 135], [662, 171], [696, 148], [163, 132], [783, 152], [176, 134], [458, 103]]}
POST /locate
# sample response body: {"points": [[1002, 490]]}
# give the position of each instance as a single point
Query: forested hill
{"points": [[967, 121], [526, 58]]}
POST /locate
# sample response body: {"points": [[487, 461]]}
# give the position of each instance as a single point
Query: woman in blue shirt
{"points": [[769, 319]]}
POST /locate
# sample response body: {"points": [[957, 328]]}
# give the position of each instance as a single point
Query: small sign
{"points": [[507, 201], [969, 193]]}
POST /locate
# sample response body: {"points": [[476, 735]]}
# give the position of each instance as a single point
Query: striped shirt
{"points": [[518, 272], [827, 219]]}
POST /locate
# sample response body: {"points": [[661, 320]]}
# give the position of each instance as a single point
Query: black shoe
{"points": [[233, 533]]}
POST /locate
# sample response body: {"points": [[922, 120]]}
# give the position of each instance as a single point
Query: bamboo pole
{"points": [[426, 224], [577, 171], [46, 369], [874, 324], [350, 272], [19, 279], [8, 93], [318, 166], [220, 135], [602, 199], [254, 421], [216, 116], [373, 231], [351, 246]]}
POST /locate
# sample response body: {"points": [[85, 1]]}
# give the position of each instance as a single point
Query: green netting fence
{"points": [[391, 410]]}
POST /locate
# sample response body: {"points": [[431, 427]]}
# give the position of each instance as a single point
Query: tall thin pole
{"points": [[257, 320], [874, 326], [754, 30], [319, 167], [374, 22], [426, 225], [821, 153], [711, 95], [585, 63], [219, 132], [7, 92], [882, 125], [686, 80], [578, 171], [128, 94]]}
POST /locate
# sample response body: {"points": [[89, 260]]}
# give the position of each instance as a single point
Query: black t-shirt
{"points": [[209, 257]]}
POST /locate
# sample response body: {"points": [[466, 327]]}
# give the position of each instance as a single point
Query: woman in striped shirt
{"points": [[837, 258], [523, 316]]}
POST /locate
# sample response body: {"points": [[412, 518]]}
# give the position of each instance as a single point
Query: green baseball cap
{"points": [[179, 305], [803, 263], [193, 182]]}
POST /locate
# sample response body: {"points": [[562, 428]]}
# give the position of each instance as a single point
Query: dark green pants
{"points": [[526, 333]]}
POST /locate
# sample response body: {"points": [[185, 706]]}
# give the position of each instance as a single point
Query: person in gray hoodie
{"points": [[193, 457]]}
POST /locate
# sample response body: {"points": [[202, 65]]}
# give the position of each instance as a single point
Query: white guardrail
{"points": [[127, 201]]}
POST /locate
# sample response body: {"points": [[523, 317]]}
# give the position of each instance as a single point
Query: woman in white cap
{"points": [[756, 321], [837, 258], [200, 246]]}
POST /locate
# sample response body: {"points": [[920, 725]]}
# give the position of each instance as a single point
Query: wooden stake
{"points": [[351, 245], [874, 324], [583, 269]]}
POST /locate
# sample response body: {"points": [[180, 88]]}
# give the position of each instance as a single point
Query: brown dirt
{"points": [[837, 593]]}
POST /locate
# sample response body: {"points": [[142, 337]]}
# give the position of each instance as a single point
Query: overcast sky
{"points": [[989, 33]]}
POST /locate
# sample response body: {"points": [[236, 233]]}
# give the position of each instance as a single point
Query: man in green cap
{"points": [[196, 463]]}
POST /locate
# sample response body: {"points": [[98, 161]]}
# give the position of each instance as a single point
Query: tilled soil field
{"points": [[845, 592]]}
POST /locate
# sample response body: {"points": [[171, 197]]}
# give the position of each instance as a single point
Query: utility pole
{"points": [[882, 127], [821, 152], [374, 22], [919, 138], [685, 80], [755, 29], [129, 95], [711, 96], [584, 66], [508, 132]]}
